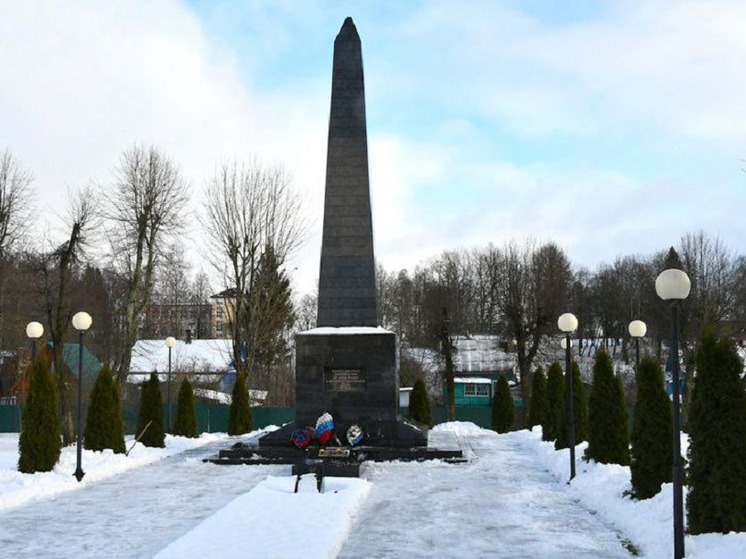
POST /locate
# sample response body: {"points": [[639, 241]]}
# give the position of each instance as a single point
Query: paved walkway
{"points": [[499, 505], [131, 515]]}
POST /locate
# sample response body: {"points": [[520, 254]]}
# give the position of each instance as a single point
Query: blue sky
{"points": [[610, 127]]}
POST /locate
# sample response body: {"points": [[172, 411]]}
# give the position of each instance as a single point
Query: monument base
{"points": [[351, 373]]}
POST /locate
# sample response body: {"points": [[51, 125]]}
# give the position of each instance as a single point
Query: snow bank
{"points": [[465, 428], [303, 524], [648, 523]]}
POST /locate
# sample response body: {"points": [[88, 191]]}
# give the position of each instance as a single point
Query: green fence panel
{"points": [[10, 418], [213, 418], [263, 417]]}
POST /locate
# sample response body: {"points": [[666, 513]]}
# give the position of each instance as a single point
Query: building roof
{"points": [[229, 293], [472, 380], [199, 356], [256, 396], [91, 364]]}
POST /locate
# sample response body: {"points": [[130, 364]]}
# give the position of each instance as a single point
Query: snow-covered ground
{"points": [[510, 500]]}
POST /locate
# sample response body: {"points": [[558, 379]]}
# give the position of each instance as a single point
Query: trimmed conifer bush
{"points": [[419, 403], [717, 441], [608, 436], [538, 410], [503, 412], [239, 414], [580, 412], [151, 414], [103, 425], [40, 443], [186, 423], [652, 450], [551, 428]]}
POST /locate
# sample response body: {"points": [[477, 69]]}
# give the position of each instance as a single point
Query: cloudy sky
{"points": [[611, 127]]}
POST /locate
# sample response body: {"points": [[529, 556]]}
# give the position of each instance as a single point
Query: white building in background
{"points": [[208, 363]]}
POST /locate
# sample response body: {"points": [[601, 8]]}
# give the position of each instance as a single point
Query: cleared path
{"points": [[132, 515], [499, 505]]}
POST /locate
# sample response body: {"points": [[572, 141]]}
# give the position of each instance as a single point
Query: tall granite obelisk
{"points": [[347, 278], [347, 366]]}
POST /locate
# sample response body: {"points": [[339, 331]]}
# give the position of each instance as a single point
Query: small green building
{"points": [[478, 388]]}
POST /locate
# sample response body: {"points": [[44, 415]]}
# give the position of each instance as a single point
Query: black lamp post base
{"points": [[79, 474]]}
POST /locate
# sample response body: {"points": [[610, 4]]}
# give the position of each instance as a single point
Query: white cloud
{"points": [[485, 122]]}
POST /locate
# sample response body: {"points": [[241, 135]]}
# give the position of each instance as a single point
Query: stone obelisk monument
{"points": [[348, 366], [347, 279]]}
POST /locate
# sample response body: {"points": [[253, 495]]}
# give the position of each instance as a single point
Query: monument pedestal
{"points": [[351, 373]]}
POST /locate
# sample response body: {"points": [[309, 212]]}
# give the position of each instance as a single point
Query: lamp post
{"points": [[568, 324], [674, 285], [637, 329], [34, 330], [170, 342], [81, 322]]}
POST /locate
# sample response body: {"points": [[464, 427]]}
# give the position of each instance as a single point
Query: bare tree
{"points": [[712, 270], [533, 291], [172, 284], [200, 293], [147, 207], [305, 313], [57, 269], [250, 208], [15, 206], [486, 269]]}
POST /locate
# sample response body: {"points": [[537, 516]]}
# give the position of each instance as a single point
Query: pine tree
{"points": [[103, 426], [151, 412], [186, 423], [270, 311], [551, 427], [419, 403], [39, 444], [503, 410], [717, 447], [652, 451], [538, 410], [239, 414], [580, 412], [608, 436]]}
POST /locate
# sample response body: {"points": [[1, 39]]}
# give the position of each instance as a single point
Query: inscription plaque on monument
{"points": [[345, 380]]}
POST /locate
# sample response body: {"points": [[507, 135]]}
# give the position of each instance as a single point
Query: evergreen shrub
{"points": [[503, 411], [652, 448], [551, 427], [608, 435], [103, 425], [151, 412], [717, 440], [538, 410], [239, 413], [580, 412], [39, 444], [419, 403], [186, 423]]}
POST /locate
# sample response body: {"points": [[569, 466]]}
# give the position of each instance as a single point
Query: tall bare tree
{"points": [[533, 291], [15, 206], [172, 285], [58, 266], [250, 208], [147, 207]]}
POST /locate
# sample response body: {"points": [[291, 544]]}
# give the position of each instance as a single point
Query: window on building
{"points": [[474, 389]]}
